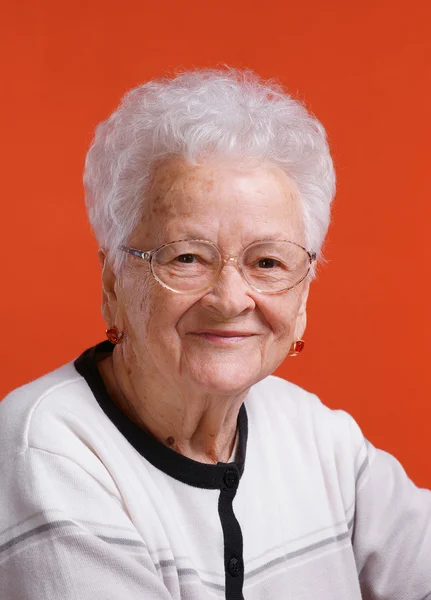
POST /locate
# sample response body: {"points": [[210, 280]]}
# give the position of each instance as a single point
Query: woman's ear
{"points": [[109, 296]]}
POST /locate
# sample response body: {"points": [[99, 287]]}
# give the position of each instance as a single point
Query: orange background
{"points": [[362, 67]]}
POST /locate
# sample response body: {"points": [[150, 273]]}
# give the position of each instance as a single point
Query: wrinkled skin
{"points": [[186, 388]]}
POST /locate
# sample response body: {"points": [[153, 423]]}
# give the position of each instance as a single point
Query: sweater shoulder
{"points": [[288, 407], [33, 414]]}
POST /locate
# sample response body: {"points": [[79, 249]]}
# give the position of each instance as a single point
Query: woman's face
{"points": [[185, 338]]}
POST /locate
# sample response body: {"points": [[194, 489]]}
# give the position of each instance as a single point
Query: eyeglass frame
{"points": [[147, 255]]}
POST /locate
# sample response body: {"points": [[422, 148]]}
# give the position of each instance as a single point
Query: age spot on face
{"points": [[209, 185], [155, 205]]}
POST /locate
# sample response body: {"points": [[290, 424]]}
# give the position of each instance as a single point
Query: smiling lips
{"points": [[222, 337]]}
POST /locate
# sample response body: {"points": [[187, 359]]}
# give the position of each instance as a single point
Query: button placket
{"points": [[233, 543]]}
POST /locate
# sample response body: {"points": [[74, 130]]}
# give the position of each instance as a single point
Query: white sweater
{"points": [[92, 507]]}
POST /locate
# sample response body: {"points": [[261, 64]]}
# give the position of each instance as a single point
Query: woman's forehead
{"points": [[218, 197], [177, 175]]}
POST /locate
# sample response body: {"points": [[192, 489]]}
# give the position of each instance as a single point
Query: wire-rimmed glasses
{"points": [[192, 266]]}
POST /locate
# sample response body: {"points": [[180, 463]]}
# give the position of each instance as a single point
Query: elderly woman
{"points": [[167, 463]]}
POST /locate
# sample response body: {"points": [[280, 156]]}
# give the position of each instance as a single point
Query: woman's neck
{"points": [[199, 426]]}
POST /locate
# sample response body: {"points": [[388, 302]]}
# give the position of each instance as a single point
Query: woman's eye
{"points": [[186, 258], [267, 263]]}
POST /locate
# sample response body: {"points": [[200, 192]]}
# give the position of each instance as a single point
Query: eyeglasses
{"points": [[191, 266]]}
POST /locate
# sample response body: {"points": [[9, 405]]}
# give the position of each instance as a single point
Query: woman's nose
{"points": [[230, 294]]}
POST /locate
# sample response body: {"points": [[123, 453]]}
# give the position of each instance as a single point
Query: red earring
{"points": [[114, 336], [296, 348]]}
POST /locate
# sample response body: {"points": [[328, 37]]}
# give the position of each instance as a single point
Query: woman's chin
{"points": [[225, 379]]}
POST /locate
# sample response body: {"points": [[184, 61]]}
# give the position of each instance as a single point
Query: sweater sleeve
{"points": [[392, 529], [65, 534]]}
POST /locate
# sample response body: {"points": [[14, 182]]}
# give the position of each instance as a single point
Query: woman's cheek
{"points": [[281, 316]]}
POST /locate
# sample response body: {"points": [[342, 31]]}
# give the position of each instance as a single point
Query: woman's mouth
{"points": [[222, 336]]}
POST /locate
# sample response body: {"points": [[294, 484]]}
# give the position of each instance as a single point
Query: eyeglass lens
{"points": [[189, 266]]}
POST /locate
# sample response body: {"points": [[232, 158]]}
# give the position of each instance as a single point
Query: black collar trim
{"points": [[160, 456]]}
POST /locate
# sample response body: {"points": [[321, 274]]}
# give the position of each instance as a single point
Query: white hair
{"points": [[194, 114]]}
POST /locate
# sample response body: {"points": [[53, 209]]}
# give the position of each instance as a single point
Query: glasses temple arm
{"points": [[138, 253]]}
